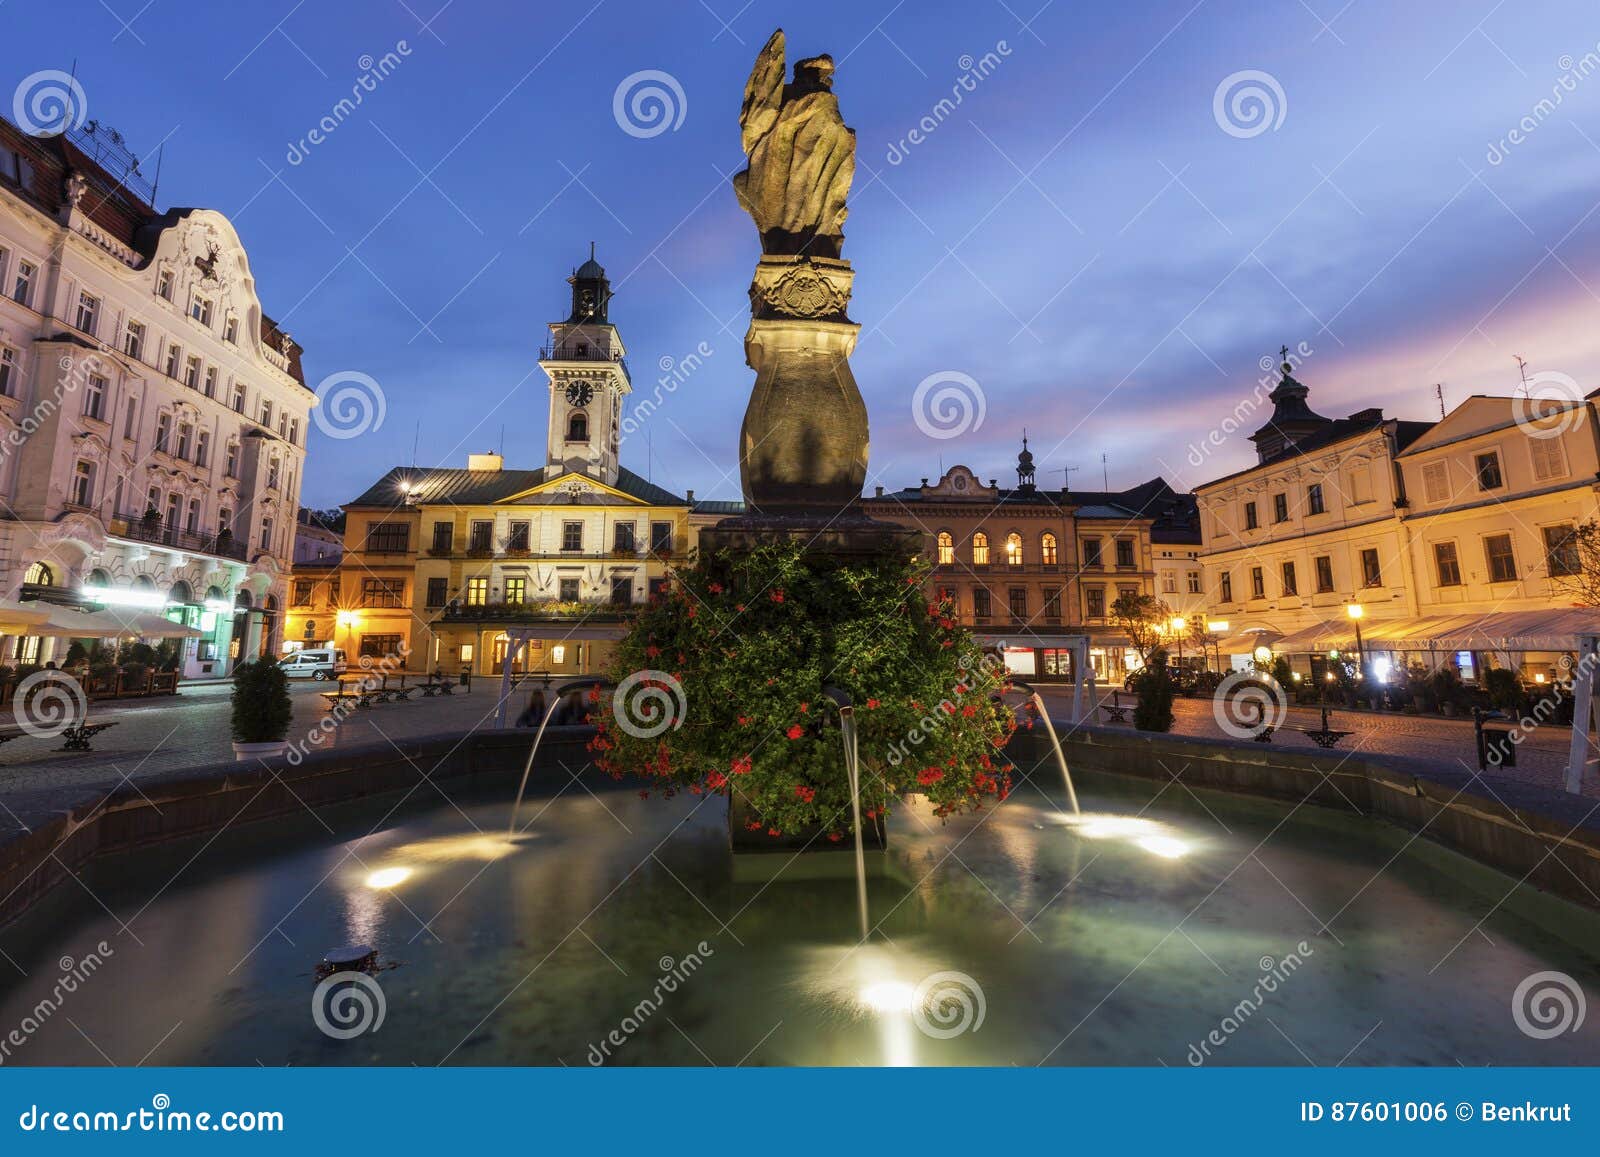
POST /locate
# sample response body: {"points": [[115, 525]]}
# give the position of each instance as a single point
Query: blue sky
{"points": [[1080, 236]]}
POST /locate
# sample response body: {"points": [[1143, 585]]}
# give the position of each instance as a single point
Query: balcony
{"points": [[169, 534], [574, 353], [538, 611]]}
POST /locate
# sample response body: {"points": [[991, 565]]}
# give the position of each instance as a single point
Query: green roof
{"points": [[438, 485]]}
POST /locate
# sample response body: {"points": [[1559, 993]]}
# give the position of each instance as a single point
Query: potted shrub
{"points": [[261, 709], [1153, 684]]}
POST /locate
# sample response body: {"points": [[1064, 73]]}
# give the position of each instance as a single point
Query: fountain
{"points": [[1055, 741], [527, 768], [852, 768]]}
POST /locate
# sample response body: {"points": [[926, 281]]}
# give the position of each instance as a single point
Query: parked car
{"points": [[315, 663]]}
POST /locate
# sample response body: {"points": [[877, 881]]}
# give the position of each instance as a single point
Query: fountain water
{"points": [[852, 770], [527, 769], [1055, 741]]}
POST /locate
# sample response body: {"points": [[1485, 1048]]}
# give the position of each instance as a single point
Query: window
{"points": [[1258, 583], [1225, 593], [294, 431], [283, 423], [1549, 460], [661, 537], [517, 540], [1446, 565], [266, 534], [174, 506], [1091, 553], [1052, 604], [1487, 468], [302, 592], [266, 412], [174, 360], [164, 284], [94, 397], [83, 483], [480, 536], [516, 589], [621, 590], [1436, 482], [980, 549], [1094, 602], [202, 448], [200, 310], [225, 522], [185, 440], [238, 399], [443, 537], [438, 589], [383, 592], [1013, 549], [191, 372], [1561, 549], [572, 536], [477, 591], [1323, 565], [1194, 582], [191, 521], [382, 646], [1169, 583], [622, 538], [152, 501], [133, 341], [8, 369], [568, 590], [1502, 561], [578, 428], [88, 312], [1250, 520], [1314, 503], [1047, 549], [1371, 571], [230, 331], [1290, 586], [1280, 508], [230, 467], [1017, 603], [947, 549], [1125, 552], [389, 538], [982, 604], [163, 433], [274, 473], [22, 288]]}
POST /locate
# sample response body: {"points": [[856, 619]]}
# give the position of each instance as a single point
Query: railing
{"points": [[164, 533], [572, 353], [637, 554], [538, 611]]}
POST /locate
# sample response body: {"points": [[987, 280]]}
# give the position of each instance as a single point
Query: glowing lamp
{"points": [[1355, 610]]}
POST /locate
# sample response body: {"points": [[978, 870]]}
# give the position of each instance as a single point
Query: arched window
{"points": [[947, 548], [1047, 549], [1013, 549], [144, 583], [98, 578], [578, 427], [40, 575], [180, 592], [980, 549]]}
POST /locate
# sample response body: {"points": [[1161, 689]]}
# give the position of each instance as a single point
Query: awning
{"points": [[70, 623], [1025, 637], [17, 618], [1246, 642], [1546, 630]]}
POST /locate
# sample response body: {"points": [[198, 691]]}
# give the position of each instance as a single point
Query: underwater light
{"points": [[1164, 846], [889, 996], [388, 877]]}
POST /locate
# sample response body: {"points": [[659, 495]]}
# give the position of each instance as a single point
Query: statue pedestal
{"points": [[803, 446]]}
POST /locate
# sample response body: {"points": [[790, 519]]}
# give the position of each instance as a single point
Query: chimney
{"points": [[490, 461], [880, 493], [688, 496], [924, 481]]}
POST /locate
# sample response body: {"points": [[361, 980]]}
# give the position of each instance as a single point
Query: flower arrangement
{"points": [[748, 644]]}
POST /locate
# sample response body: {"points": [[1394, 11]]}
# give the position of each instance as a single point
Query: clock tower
{"points": [[588, 381]]}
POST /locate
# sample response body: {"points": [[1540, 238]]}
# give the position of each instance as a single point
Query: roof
{"points": [[718, 506], [1338, 430], [440, 485]]}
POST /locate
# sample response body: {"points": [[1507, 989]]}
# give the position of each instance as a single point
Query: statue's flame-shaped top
{"points": [[802, 156]]}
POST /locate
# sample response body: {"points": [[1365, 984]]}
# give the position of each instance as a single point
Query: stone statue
{"points": [[803, 446], [802, 157]]}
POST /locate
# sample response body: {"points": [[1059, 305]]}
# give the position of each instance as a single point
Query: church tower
{"points": [[1292, 419], [588, 381]]}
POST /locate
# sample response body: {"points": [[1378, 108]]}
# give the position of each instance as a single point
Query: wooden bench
{"points": [[77, 735]]}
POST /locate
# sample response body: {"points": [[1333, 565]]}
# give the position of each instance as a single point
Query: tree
{"points": [[1142, 618], [1581, 554]]}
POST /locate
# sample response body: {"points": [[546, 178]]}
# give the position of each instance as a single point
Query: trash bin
{"points": [[1497, 748], [466, 677]]}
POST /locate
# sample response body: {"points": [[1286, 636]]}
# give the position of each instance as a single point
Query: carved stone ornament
{"points": [[77, 186], [804, 292]]}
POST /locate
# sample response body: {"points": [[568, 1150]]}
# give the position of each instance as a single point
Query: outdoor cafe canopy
{"points": [[1557, 629]]}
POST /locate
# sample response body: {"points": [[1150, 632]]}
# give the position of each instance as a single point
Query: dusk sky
{"points": [[1082, 235]]}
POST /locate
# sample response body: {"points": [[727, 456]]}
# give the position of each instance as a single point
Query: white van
{"points": [[317, 663]]}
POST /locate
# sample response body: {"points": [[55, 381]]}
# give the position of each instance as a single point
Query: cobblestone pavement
{"points": [[192, 729], [1433, 741]]}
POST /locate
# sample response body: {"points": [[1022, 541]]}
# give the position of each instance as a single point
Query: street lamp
{"points": [[1179, 624], [1219, 628], [1355, 611]]}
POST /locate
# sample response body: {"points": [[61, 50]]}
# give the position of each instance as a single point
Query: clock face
{"points": [[580, 394]]}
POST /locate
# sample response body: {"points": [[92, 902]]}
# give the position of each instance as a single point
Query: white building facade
{"points": [[152, 419]]}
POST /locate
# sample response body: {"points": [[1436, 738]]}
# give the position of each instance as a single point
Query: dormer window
{"points": [[230, 331], [164, 284]]}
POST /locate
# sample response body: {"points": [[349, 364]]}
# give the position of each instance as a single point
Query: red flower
{"points": [[739, 608], [715, 588], [929, 776], [834, 837], [752, 826], [777, 596], [805, 708], [652, 651], [795, 731], [774, 832], [872, 704], [715, 780], [969, 711], [804, 793], [741, 765], [744, 721]]}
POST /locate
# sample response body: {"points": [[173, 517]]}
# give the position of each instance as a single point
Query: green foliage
{"points": [[1153, 684], [261, 707], [753, 640], [1505, 690]]}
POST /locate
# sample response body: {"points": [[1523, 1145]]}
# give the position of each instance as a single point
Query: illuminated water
{"points": [[1124, 937]]}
